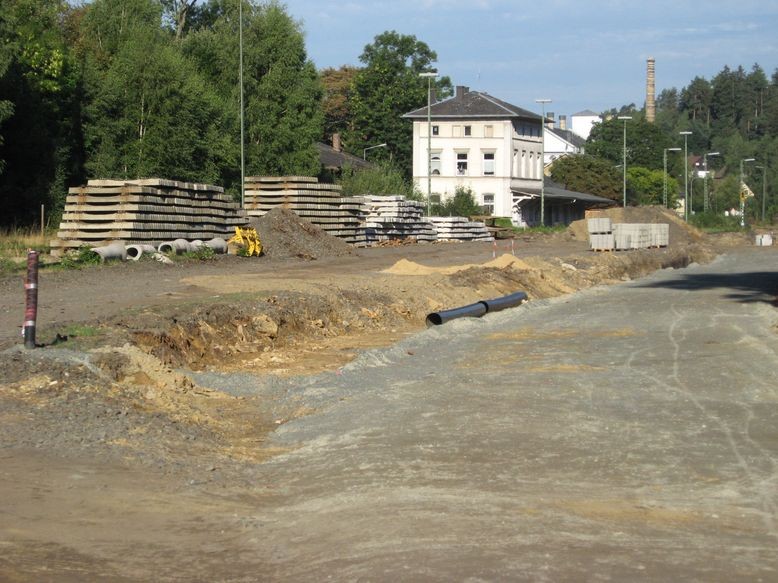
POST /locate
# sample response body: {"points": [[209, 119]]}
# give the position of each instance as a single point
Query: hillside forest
{"points": [[138, 88]]}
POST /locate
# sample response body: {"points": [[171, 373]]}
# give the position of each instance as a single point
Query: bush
{"points": [[463, 204], [381, 179], [715, 222]]}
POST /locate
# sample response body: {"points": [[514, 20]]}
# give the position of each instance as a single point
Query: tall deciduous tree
{"points": [[148, 112], [282, 90], [388, 87], [336, 105], [645, 142], [585, 173]]}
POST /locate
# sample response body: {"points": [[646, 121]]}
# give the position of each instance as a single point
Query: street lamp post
{"points": [[705, 205], [664, 189], [685, 135], [429, 76], [624, 158], [764, 187], [364, 152], [242, 139], [542, 160], [742, 192]]}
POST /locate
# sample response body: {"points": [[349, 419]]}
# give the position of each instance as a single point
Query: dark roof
{"points": [[586, 113], [468, 104], [569, 136], [555, 191], [331, 158]]}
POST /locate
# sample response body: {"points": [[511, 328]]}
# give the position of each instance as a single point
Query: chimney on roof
{"points": [[336, 142], [550, 120], [562, 122], [650, 91], [462, 91]]}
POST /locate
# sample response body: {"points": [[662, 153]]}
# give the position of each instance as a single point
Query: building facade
{"points": [[479, 142]]}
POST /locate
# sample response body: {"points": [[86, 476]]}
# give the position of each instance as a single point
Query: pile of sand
{"points": [[405, 267], [680, 232], [284, 234]]}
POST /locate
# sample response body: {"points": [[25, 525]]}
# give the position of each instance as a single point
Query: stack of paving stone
{"points": [[146, 211], [604, 236], [460, 229], [393, 217], [601, 234], [318, 203]]}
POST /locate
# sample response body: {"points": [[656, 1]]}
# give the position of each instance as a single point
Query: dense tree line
{"points": [[734, 114], [137, 88]]}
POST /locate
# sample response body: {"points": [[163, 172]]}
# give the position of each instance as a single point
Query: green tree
{"points": [[586, 173], [696, 100], [282, 90], [646, 187], [337, 84], [39, 85], [386, 88], [148, 112], [645, 142]]}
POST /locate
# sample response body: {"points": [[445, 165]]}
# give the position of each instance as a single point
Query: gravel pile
{"points": [[284, 234]]}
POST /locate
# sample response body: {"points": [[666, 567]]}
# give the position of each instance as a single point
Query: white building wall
{"points": [[582, 124], [504, 141], [554, 147]]}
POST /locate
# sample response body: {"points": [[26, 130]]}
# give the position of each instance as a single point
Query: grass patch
{"points": [[505, 222], [715, 223], [81, 331]]}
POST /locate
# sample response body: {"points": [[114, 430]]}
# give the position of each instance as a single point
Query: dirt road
{"points": [[110, 431]]}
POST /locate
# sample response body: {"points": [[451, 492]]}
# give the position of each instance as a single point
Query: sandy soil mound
{"points": [[284, 234], [680, 232]]}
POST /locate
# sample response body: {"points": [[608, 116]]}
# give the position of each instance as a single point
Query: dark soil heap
{"points": [[284, 234]]}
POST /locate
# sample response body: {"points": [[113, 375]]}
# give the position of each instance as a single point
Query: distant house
{"points": [[583, 121], [494, 148], [559, 141], [333, 159]]}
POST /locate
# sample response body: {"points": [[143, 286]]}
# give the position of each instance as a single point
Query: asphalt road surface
{"points": [[627, 433]]}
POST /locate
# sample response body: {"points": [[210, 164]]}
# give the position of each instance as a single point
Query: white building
{"points": [[480, 142], [494, 148], [559, 141], [583, 121]]}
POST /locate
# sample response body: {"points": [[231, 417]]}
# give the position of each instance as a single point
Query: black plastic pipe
{"points": [[472, 311], [476, 310], [504, 302]]}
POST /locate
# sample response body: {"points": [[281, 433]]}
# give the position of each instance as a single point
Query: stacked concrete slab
{"points": [[460, 229], [604, 236], [146, 211], [394, 217], [318, 203], [601, 234]]}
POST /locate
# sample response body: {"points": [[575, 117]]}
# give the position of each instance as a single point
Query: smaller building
{"points": [[583, 121], [562, 206], [559, 141]]}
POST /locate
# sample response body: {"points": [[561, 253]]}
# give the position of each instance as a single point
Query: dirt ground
{"points": [[109, 394]]}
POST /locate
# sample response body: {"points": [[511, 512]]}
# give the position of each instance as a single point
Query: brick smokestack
{"points": [[650, 92]]}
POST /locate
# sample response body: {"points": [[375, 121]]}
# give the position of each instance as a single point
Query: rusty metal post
{"points": [[31, 300]]}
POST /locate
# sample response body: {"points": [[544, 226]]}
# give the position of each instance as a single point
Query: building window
{"points": [[435, 163], [435, 130], [461, 163], [488, 131], [488, 163], [468, 130], [488, 203]]}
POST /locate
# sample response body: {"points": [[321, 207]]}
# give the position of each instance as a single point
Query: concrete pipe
{"points": [[175, 247], [196, 244], [112, 251], [134, 252], [217, 244]]}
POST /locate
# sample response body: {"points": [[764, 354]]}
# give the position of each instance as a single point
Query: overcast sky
{"points": [[582, 54]]}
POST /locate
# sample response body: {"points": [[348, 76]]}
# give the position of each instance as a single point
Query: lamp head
{"points": [[673, 149], [713, 154], [624, 117], [687, 133]]}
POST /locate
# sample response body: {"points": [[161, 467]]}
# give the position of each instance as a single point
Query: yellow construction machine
{"points": [[245, 242]]}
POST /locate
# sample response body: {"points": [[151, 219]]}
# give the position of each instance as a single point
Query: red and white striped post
{"points": [[31, 299]]}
